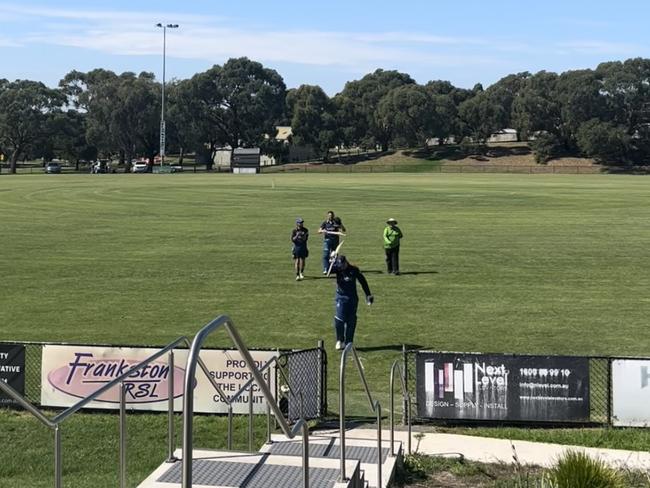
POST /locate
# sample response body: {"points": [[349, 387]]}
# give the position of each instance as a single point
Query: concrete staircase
{"points": [[279, 465], [327, 446]]}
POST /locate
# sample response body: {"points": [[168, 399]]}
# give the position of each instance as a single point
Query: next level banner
{"points": [[502, 387]]}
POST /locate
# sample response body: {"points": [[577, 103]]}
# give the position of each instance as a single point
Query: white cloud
{"points": [[133, 33], [215, 39], [6, 42], [601, 48], [150, 18]]}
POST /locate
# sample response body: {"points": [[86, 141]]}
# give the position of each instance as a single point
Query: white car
{"points": [[139, 167]]}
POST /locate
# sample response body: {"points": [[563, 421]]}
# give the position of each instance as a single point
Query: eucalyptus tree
{"points": [[122, 111], [311, 114], [357, 108], [24, 109]]}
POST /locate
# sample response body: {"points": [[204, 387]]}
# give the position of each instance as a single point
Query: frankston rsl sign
{"points": [[12, 370], [70, 373], [502, 387]]}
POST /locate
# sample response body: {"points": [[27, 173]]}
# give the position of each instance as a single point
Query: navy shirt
{"points": [[346, 282], [299, 236], [331, 226]]}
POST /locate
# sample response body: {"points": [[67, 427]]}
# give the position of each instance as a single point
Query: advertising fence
{"points": [[447, 386], [59, 375], [12, 369], [525, 389], [631, 392], [501, 387]]}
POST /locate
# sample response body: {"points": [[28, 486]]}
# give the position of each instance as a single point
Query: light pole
{"points": [[164, 27]]}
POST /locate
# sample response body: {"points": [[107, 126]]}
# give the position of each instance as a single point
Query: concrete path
{"points": [[487, 450]]}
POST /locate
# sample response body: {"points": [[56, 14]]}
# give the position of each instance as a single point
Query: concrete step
{"points": [[221, 469], [328, 446]]}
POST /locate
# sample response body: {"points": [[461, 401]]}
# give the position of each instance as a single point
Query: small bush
{"points": [[577, 470], [545, 147]]}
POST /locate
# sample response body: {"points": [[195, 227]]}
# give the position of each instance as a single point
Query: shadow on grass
{"points": [[457, 152], [402, 273], [415, 273], [391, 347]]}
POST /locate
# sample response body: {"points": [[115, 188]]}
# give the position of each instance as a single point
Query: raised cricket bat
{"points": [[334, 232], [333, 257]]}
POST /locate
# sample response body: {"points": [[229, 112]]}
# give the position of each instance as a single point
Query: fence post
{"points": [[405, 375], [58, 465], [250, 419], [322, 359], [609, 392], [171, 441], [122, 435]]}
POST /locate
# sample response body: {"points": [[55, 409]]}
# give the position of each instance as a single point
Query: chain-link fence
{"points": [[305, 370], [303, 383]]}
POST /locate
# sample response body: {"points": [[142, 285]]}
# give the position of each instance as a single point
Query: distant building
{"points": [[504, 135], [284, 134], [245, 160]]}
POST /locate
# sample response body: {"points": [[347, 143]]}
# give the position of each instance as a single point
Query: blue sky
{"points": [[323, 43]]}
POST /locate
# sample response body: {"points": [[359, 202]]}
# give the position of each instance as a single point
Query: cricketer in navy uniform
{"points": [[330, 241], [347, 300]]}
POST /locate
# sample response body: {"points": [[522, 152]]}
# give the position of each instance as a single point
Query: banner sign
{"points": [[502, 387], [12, 370], [630, 393], [70, 373]]}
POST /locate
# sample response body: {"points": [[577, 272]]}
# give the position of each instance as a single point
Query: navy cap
{"points": [[340, 260], [299, 220]]}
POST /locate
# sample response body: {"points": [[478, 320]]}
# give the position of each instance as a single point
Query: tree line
{"points": [[601, 113]]}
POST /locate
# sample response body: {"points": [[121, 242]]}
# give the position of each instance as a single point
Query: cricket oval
{"points": [[85, 375]]}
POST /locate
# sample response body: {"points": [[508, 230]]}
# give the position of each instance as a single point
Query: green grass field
{"points": [[495, 263]]}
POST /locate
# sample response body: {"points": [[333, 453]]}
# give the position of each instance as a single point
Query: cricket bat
{"points": [[334, 232], [333, 257]]}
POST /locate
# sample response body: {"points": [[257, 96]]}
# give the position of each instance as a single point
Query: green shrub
{"points": [[577, 470], [545, 147]]}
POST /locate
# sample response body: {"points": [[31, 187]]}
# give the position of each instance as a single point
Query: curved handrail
{"points": [[405, 396], [55, 423], [27, 405], [375, 406], [188, 397]]}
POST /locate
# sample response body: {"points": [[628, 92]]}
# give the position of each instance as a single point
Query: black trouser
{"points": [[392, 260]]}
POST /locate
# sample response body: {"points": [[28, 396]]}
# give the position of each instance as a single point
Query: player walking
{"points": [[299, 236], [331, 228], [347, 300]]}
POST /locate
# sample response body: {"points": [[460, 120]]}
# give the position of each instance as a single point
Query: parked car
{"points": [[102, 166], [52, 167], [140, 167]]}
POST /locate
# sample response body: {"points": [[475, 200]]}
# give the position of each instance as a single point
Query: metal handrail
{"points": [[188, 398], [26, 405], [84, 401], [406, 396], [375, 406], [55, 423], [248, 387]]}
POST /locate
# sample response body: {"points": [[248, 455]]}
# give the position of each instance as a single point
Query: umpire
{"points": [[392, 237]]}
